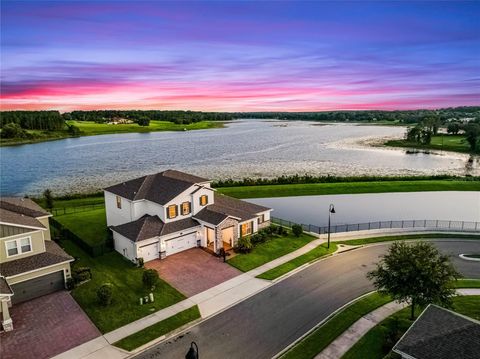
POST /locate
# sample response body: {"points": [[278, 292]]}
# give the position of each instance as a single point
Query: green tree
{"points": [[73, 130], [453, 128], [297, 230], [472, 135], [150, 278], [143, 121], [105, 294], [13, 130], [415, 273], [47, 196]]}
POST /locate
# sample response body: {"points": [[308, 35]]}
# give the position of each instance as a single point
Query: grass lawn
{"points": [[456, 143], [467, 283], [373, 344], [355, 242], [309, 189], [320, 338], [268, 251], [128, 288], [91, 225], [310, 256], [158, 329]]}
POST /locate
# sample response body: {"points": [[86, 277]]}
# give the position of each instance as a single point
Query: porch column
{"points": [[7, 322]]}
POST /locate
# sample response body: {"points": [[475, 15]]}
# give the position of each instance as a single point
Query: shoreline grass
{"points": [[156, 330], [310, 256], [309, 189], [452, 143]]}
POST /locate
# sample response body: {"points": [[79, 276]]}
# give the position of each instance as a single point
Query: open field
{"points": [[90, 128], [127, 289], [455, 143]]}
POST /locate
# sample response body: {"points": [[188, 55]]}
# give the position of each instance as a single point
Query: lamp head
{"points": [[332, 209]]}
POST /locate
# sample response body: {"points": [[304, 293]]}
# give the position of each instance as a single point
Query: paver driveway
{"points": [[46, 326], [193, 271]]}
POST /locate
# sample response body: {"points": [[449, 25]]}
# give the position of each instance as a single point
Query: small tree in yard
{"points": [[150, 278], [415, 273], [104, 294], [47, 195], [297, 230]]}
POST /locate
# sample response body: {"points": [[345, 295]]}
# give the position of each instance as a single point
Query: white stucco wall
{"points": [[116, 216], [120, 243], [196, 207]]}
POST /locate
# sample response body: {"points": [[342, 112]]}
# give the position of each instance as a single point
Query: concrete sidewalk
{"points": [[352, 335]]}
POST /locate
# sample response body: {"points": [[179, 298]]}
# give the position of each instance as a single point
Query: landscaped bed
{"points": [[269, 250], [126, 280], [158, 329], [375, 344]]}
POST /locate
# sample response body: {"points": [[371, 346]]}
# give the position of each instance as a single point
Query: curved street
{"points": [[266, 323]]}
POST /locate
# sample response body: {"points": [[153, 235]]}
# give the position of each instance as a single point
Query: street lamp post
{"points": [[192, 352], [331, 210]]}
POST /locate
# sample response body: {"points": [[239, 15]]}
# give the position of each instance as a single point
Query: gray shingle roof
{"points": [[225, 206], [53, 255], [148, 227], [14, 218], [441, 334], [23, 206], [4, 287], [159, 188]]}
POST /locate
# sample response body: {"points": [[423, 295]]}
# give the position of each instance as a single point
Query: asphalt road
{"points": [[266, 323]]}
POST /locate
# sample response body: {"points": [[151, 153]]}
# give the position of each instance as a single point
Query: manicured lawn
{"points": [[467, 283], [320, 338], [157, 330], [355, 242], [309, 189], [310, 256], [372, 345], [128, 288], [268, 251], [456, 143], [91, 225]]}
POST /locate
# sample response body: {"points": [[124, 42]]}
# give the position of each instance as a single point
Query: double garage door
{"points": [[182, 243], [37, 287]]}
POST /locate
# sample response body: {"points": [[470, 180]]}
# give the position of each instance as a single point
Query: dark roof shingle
{"points": [[148, 227], [23, 206], [440, 334], [15, 218], [159, 188], [53, 255]]}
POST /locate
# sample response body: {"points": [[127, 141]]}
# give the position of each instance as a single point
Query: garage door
{"points": [[37, 287], [182, 243], [149, 252]]}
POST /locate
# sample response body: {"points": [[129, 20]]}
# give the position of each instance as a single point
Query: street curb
{"points": [[464, 257]]}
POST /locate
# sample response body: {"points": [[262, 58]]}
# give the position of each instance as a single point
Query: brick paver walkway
{"points": [[46, 326], [193, 271]]}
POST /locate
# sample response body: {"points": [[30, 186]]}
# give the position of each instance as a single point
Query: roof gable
{"points": [[159, 188]]}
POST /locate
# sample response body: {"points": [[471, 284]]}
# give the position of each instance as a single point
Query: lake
{"points": [[251, 148], [372, 207]]}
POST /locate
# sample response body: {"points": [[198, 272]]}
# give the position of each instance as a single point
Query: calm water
{"points": [[247, 148], [372, 207]]}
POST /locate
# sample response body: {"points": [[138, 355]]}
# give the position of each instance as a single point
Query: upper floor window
{"points": [[18, 246], [185, 208], [261, 219], [246, 229], [172, 211], [203, 200], [119, 202]]}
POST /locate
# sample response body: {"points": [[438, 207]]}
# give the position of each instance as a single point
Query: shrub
{"points": [[244, 245], [150, 278], [105, 294], [81, 274], [140, 262], [70, 284], [13, 130], [297, 230], [281, 231]]}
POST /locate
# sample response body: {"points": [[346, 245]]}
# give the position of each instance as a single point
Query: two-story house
{"points": [[162, 214], [31, 264]]}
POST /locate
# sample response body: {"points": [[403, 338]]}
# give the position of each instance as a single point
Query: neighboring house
{"points": [[162, 214], [440, 333], [31, 264]]}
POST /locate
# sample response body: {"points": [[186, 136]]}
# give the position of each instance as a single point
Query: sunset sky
{"points": [[239, 56]]}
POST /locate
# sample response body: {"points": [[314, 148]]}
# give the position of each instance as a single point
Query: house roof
{"points": [[53, 255], [23, 206], [439, 333], [15, 218], [159, 188], [4, 287], [148, 227], [225, 206]]}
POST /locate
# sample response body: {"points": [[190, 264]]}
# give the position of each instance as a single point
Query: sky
{"points": [[239, 56]]}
